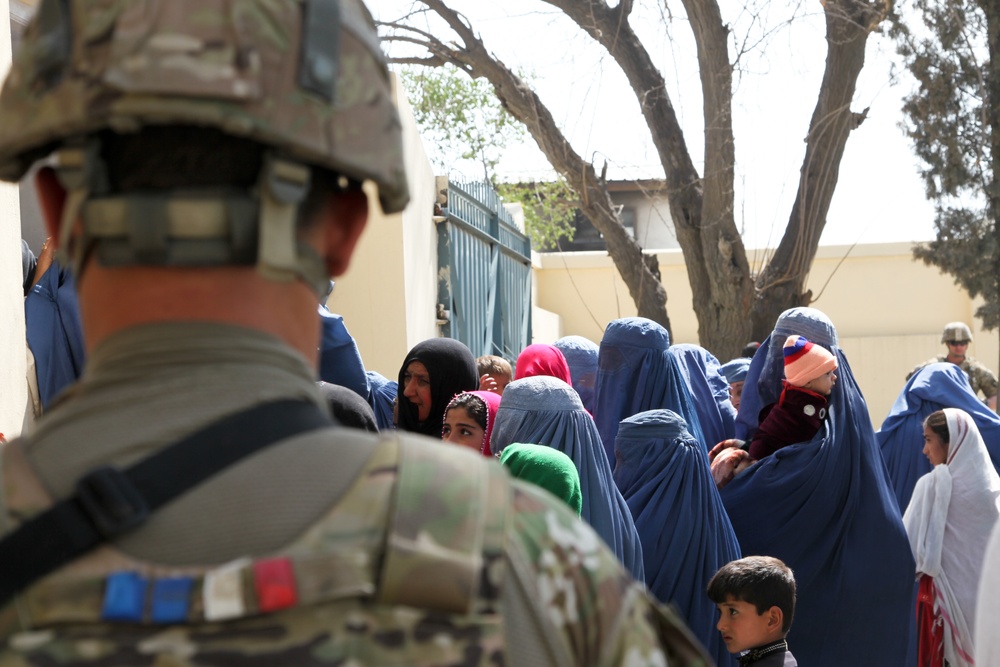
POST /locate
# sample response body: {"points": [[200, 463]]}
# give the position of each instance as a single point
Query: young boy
{"points": [[756, 600], [735, 372], [495, 373], [802, 408]]}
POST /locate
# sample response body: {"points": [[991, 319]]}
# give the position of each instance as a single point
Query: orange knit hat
{"points": [[806, 361]]}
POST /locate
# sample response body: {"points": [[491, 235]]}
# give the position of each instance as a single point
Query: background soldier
{"points": [[957, 336], [187, 502]]}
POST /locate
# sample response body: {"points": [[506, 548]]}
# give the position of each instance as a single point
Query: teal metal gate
{"points": [[484, 273]]}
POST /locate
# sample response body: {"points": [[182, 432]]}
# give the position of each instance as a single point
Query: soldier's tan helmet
{"points": [[956, 331], [305, 76]]}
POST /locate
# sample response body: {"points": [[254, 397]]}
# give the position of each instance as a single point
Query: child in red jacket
{"points": [[799, 413]]}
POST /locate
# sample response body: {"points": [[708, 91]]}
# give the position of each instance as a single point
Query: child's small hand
{"points": [[488, 383], [728, 463], [725, 444]]}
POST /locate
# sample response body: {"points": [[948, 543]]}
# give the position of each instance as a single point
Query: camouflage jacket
{"points": [[411, 567], [330, 547], [981, 378]]}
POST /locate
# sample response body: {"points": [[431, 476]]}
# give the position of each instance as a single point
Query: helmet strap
{"points": [[188, 227], [280, 255]]}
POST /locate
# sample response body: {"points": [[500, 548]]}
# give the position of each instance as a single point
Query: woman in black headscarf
{"points": [[433, 372]]}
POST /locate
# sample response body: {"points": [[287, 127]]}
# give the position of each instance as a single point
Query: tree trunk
{"points": [[991, 8], [730, 306], [701, 208], [780, 285]]}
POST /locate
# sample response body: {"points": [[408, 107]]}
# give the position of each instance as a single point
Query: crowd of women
{"points": [[886, 532]]}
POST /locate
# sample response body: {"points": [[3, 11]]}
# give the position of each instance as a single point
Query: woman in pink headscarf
{"points": [[539, 359]]}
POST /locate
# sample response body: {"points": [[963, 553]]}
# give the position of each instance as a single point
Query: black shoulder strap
{"points": [[110, 502]]}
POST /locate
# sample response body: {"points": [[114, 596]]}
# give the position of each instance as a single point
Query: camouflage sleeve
{"points": [[594, 606], [986, 380]]}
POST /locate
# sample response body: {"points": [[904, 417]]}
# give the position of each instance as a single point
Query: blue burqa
{"points": [[710, 390], [544, 410], [636, 372], [381, 398], [686, 535], [339, 358], [826, 508], [934, 387], [581, 355], [54, 332]]}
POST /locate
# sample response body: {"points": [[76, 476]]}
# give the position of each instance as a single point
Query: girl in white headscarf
{"points": [[949, 520]]}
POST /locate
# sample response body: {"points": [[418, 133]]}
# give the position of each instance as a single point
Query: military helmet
{"points": [[956, 331], [304, 78]]}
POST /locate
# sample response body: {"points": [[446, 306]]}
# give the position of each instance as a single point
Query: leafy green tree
{"points": [[952, 49], [461, 119], [549, 210]]}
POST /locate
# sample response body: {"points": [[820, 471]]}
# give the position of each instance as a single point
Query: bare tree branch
{"points": [[640, 273], [732, 307]]}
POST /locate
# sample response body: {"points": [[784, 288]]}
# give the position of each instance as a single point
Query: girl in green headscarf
{"points": [[545, 467]]}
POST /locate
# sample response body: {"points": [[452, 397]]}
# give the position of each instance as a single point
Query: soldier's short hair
{"points": [[177, 157]]}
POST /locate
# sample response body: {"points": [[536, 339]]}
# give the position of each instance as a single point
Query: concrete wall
{"points": [[888, 308], [12, 342], [389, 294]]}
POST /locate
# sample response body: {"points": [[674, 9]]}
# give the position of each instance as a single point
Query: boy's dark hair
{"points": [[762, 581]]}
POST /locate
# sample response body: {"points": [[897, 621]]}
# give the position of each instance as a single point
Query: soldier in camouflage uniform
{"points": [[204, 180], [957, 336]]}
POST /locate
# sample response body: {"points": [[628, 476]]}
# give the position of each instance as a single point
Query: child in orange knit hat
{"points": [[801, 410]]}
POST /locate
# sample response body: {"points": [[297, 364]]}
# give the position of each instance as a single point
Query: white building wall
{"points": [[889, 309], [654, 230], [13, 396], [388, 296]]}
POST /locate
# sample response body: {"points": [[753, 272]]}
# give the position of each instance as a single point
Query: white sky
{"points": [[879, 195]]}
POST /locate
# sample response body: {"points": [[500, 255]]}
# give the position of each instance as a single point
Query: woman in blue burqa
{"points": [[637, 372], [581, 355], [826, 508], [934, 387], [710, 390], [544, 410], [686, 535]]}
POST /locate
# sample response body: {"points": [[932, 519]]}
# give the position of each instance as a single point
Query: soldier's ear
{"points": [[344, 218], [51, 199]]}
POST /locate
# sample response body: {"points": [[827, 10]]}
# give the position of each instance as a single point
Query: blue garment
{"points": [[934, 387], [735, 370], [381, 398], [710, 390], [339, 358], [686, 535], [581, 355], [826, 508], [636, 372], [54, 332], [762, 386], [544, 410]]}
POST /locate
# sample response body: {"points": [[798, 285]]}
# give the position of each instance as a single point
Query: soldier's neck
{"points": [[112, 300]]}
